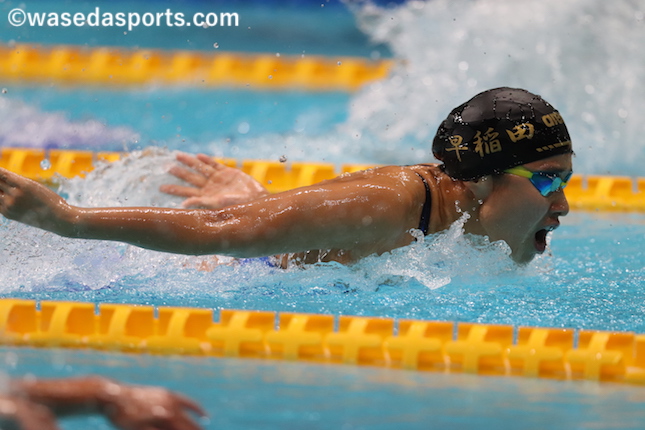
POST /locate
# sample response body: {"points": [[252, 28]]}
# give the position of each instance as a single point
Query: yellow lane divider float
{"points": [[77, 65], [404, 344], [584, 192]]}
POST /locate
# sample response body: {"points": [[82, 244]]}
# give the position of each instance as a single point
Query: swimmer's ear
{"points": [[481, 188]]}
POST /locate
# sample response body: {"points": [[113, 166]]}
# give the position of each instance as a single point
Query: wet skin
{"points": [[514, 210], [350, 217]]}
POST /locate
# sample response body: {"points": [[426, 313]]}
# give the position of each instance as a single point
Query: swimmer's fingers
{"points": [[21, 413], [189, 176], [190, 404], [210, 161], [12, 186], [200, 163], [27, 201], [217, 186], [179, 190], [4, 184], [8, 179], [185, 404], [151, 408]]}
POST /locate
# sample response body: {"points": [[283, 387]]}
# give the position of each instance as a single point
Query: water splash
{"points": [[446, 52], [39, 260], [133, 180], [582, 56], [447, 276]]}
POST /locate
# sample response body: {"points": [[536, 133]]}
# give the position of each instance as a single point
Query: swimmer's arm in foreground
{"points": [[34, 404], [366, 212]]}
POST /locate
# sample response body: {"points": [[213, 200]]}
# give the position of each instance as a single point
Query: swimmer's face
{"points": [[514, 211]]}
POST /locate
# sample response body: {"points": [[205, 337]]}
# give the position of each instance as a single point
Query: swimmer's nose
{"points": [[560, 204]]}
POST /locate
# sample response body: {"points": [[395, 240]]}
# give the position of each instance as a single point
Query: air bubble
{"points": [[243, 127], [11, 359]]}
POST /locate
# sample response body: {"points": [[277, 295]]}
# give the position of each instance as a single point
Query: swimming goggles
{"points": [[545, 182]]}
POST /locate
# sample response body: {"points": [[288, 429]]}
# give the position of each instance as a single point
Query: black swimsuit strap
{"points": [[424, 222]]}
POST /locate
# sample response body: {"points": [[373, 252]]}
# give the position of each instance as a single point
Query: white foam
{"points": [[37, 260], [26, 126], [447, 51], [581, 55]]}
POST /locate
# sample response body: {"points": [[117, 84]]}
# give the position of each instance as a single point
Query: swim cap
{"points": [[499, 129]]}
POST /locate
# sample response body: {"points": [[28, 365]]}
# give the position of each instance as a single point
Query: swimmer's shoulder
{"points": [[387, 173], [408, 183], [427, 170], [408, 186]]}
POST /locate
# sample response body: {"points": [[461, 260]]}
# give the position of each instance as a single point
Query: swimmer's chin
{"points": [[524, 258], [528, 253], [522, 262]]}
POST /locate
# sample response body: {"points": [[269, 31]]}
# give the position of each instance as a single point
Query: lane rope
{"points": [[591, 192], [75, 65], [437, 346]]}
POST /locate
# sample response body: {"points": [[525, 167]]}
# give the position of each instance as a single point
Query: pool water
{"points": [[265, 395], [315, 28], [591, 277], [445, 53], [218, 121]]}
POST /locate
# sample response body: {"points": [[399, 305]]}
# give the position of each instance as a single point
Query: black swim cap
{"points": [[499, 129]]}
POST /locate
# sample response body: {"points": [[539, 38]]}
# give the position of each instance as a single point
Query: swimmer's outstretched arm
{"points": [[127, 406], [367, 212]]}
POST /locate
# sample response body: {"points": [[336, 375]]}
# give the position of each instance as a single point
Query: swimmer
{"points": [[505, 155], [33, 404]]}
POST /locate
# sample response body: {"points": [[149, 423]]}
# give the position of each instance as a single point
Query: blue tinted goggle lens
{"points": [[548, 183]]}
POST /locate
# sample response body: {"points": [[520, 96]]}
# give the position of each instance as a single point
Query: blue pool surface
{"points": [[444, 52], [265, 395], [591, 278], [314, 27], [192, 120]]}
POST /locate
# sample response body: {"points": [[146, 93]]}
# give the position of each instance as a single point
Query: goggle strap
{"points": [[520, 171]]}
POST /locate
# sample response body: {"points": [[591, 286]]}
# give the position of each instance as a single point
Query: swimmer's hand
{"points": [[214, 185], [128, 407], [17, 413], [31, 203], [132, 407]]}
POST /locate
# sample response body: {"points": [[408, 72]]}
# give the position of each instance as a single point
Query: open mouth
{"points": [[540, 238]]}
